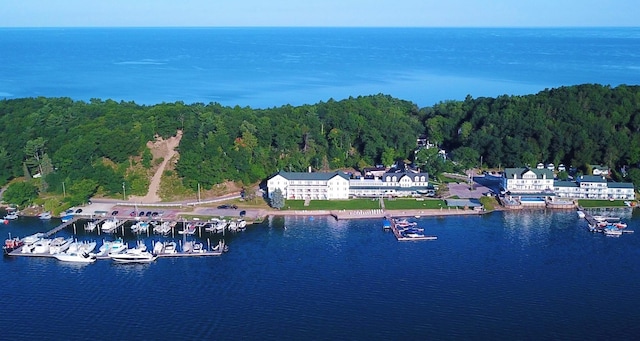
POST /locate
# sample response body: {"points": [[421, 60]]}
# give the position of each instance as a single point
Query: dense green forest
{"points": [[97, 146]]}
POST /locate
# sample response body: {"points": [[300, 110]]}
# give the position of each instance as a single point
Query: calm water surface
{"points": [[513, 275], [265, 67]]}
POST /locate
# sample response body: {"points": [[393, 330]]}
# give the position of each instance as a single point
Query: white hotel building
{"points": [[338, 185]]}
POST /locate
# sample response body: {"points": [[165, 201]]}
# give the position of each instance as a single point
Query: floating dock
{"points": [[398, 233]]}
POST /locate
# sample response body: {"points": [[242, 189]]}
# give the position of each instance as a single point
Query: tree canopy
{"points": [[93, 146]]}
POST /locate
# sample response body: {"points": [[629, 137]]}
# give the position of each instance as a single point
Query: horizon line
{"points": [[319, 26]]}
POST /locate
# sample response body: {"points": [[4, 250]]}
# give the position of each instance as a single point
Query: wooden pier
{"points": [[60, 227]]}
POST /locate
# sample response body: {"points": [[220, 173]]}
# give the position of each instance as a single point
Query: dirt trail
{"points": [[166, 150]]}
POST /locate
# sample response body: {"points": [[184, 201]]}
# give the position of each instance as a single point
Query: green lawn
{"points": [[413, 204], [352, 204], [601, 203]]}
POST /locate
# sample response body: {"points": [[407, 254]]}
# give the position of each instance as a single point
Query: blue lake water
{"points": [[265, 67], [529, 275]]}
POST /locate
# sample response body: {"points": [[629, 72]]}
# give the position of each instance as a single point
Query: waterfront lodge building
{"points": [[541, 183], [340, 185]]}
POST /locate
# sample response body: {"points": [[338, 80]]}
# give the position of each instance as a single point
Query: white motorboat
{"points": [[187, 247], [581, 214], [81, 247], [59, 245], [11, 216], [109, 225], [112, 247], [41, 246], [76, 257], [164, 228], [139, 254], [197, 248], [44, 215], [90, 226], [170, 247], [220, 248], [158, 248], [140, 227], [242, 224], [33, 238], [189, 229]]}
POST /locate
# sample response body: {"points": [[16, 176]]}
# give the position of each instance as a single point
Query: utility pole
{"points": [[64, 191], [124, 193]]}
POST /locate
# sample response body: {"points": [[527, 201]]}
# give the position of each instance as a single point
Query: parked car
{"points": [[141, 214], [79, 210], [222, 207], [243, 213], [114, 213]]}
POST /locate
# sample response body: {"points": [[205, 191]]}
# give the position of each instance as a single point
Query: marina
{"points": [[70, 250], [611, 226]]}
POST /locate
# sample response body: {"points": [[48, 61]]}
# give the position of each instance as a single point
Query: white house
{"points": [[527, 180], [314, 186]]}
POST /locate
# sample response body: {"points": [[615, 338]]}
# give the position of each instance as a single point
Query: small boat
{"points": [[59, 245], [220, 248], [90, 226], [112, 247], [581, 214], [163, 229], [140, 227], [242, 225], [11, 244], [158, 248], [187, 247], [405, 223], [41, 246], [109, 225], [33, 238], [198, 248], [11, 216], [620, 225], [139, 254], [76, 257], [170, 247], [67, 218], [44, 215], [189, 229], [612, 231]]}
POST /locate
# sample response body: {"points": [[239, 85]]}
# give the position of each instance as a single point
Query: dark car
{"points": [[154, 214], [114, 213], [234, 207], [222, 207], [79, 210], [141, 214], [243, 213], [148, 214], [132, 214]]}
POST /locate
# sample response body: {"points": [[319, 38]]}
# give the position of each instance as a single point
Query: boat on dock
{"points": [[110, 225], [164, 228], [139, 254], [41, 246], [581, 214], [90, 226], [140, 227], [59, 245], [111, 247], [189, 229], [76, 257], [11, 244]]}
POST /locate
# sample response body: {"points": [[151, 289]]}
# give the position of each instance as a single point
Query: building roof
{"points": [[399, 175], [565, 183], [518, 172], [620, 185], [317, 176], [591, 178]]}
